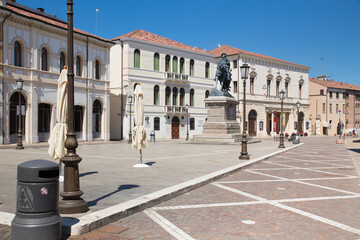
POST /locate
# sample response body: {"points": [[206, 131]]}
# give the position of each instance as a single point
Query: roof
{"points": [[234, 51], [334, 84], [44, 17], [151, 37]]}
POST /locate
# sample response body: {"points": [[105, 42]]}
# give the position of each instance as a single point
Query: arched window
{"points": [[156, 62], [44, 59], [97, 69], [182, 62], [62, 61], [207, 93], [44, 117], [175, 96], [207, 69], [192, 68], [182, 97], [156, 95], [156, 124], [167, 95], [192, 97], [78, 118], [137, 58], [167, 63], [17, 54], [192, 123], [78, 66], [175, 64], [97, 113]]}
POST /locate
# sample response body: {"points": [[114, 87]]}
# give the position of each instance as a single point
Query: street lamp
{"points": [[19, 84], [244, 75], [71, 202], [187, 121], [282, 97], [297, 140], [130, 97]]}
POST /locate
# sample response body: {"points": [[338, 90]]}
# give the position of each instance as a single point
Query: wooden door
{"points": [[252, 124], [175, 128]]}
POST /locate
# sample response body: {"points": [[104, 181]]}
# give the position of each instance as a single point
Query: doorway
{"points": [[252, 123], [175, 128], [14, 116], [301, 122]]}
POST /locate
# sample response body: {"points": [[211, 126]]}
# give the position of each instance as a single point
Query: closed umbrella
{"points": [[139, 136], [58, 134]]}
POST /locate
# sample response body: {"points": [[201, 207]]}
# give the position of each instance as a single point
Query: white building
{"points": [[267, 77], [171, 75], [34, 48]]}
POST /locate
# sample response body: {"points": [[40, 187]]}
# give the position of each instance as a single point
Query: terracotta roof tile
{"points": [[334, 84], [44, 17], [233, 51], [151, 37]]}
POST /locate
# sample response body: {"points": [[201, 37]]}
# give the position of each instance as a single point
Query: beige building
{"points": [[267, 77], [331, 101]]}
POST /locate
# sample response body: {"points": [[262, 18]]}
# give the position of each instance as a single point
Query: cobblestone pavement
{"points": [[311, 192]]}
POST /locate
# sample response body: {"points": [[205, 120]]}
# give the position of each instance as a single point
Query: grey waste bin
{"points": [[37, 197], [152, 136], [296, 139]]}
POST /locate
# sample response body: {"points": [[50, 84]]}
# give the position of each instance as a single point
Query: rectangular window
{"points": [[337, 108], [277, 88], [337, 95], [343, 109], [235, 87], [192, 123], [287, 89], [322, 92], [252, 79], [330, 94], [330, 108], [324, 108], [235, 63], [268, 87], [156, 124]]}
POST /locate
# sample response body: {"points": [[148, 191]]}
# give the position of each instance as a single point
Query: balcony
{"points": [[176, 78], [172, 110]]}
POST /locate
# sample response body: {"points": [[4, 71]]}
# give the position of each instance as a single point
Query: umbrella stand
{"points": [[141, 165]]}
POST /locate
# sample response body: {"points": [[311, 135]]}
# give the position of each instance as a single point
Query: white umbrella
{"points": [[58, 133], [139, 136]]}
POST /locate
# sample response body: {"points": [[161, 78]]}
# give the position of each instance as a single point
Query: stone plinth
{"points": [[221, 125]]}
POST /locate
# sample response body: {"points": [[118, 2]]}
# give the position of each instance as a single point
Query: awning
{"points": [[325, 124]]}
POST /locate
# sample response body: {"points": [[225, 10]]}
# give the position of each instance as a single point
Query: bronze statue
{"points": [[223, 74]]}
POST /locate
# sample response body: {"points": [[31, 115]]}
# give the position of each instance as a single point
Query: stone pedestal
{"points": [[221, 125]]}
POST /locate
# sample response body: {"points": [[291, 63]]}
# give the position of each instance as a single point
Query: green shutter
{"points": [[156, 63], [137, 59], [175, 65]]}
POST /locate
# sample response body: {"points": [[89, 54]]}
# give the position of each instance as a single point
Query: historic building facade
{"points": [[34, 48], [171, 74], [331, 101], [267, 77]]}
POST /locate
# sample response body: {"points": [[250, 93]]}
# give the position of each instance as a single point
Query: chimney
{"points": [[40, 10], [322, 77]]}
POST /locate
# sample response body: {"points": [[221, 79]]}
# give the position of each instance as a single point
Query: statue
{"points": [[223, 75]]}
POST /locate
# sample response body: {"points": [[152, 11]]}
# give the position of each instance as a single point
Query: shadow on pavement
{"points": [[150, 163], [87, 173], [357, 150], [120, 188], [356, 141]]}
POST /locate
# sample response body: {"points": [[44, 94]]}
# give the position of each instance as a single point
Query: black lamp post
{"points": [[71, 202], [187, 121], [297, 139], [19, 84], [282, 97], [244, 75], [130, 97]]}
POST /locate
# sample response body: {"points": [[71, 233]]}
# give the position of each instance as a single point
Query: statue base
{"points": [[216, 92], [221, 126]]}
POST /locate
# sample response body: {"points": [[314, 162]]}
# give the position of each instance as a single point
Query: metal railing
{"points": [[176, 76]]}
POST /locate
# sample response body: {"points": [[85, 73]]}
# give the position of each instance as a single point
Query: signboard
{"points": [[261, 125], [275, 121]]}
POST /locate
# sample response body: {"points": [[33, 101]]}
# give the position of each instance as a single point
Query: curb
{"points": [[92, 221]]}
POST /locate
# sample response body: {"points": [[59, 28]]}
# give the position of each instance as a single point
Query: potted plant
{"points": [[301, 134], [286, 135], [305, 134]]}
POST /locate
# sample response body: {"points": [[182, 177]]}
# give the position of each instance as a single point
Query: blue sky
{"points": [[299, 31]]}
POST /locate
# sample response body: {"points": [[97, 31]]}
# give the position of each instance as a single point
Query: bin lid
{"points": [[38, 171]]}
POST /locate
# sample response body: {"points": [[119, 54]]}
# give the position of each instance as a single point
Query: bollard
{"points": [[152, 136], [37, 197]]}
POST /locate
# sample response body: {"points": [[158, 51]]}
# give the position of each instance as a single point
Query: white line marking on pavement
{"points": [[248, 222], [296, 179], [168, 226], [6, 218], [294, 210]]}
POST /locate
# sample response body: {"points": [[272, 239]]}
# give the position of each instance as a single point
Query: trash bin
{"points": [[37, 199], [152, 136], [296, 139]]}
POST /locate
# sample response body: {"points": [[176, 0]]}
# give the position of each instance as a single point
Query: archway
{"points": [[44, 118], [301, 122], [78, 121], [252, 123], [97, 113], [14, 116], [175, 128]]}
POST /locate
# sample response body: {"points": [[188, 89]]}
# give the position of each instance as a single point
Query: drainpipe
{"points": [[3, 84], [122, 92], [87, 88]]}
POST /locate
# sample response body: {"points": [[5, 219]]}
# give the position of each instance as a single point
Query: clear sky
{"points": [[299, 31]]}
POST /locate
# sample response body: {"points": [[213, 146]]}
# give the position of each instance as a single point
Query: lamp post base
{"points": [[281, 145], [130, 138], [244, 154], [73, 206], [19, 147]]}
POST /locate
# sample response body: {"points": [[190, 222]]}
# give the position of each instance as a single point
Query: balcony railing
{"points": [[174, 109], [176, 76]]}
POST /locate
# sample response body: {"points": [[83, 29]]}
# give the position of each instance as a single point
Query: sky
{"points": [[321, 34]]}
